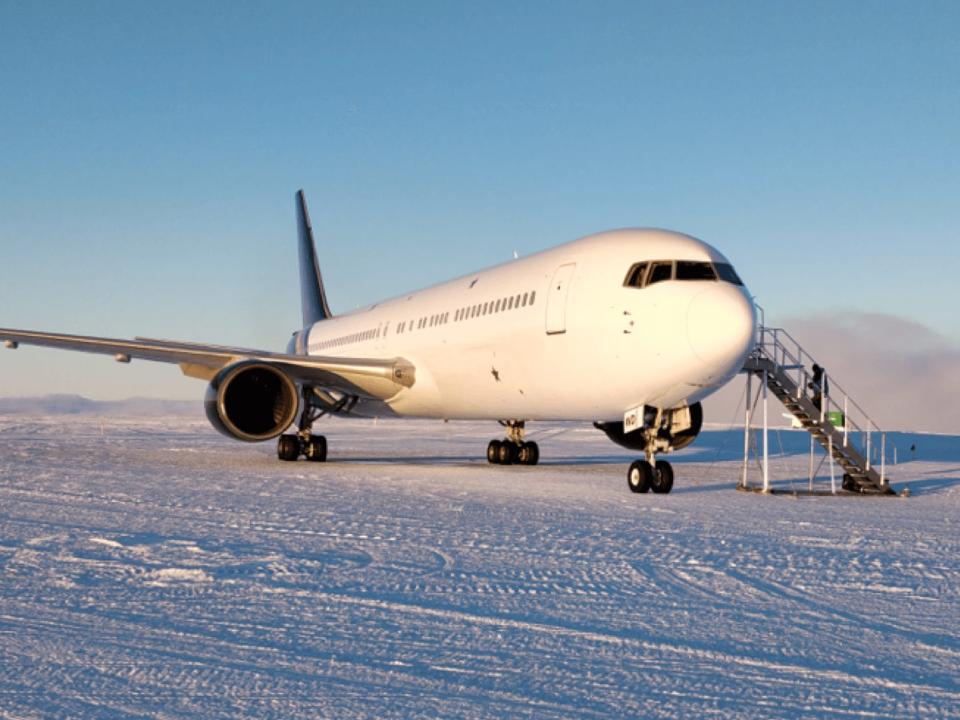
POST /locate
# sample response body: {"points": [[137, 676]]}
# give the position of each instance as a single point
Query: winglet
{"points": [[313, 299]]}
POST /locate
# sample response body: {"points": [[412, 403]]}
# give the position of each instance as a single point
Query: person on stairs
{"points": [[819, 385]]}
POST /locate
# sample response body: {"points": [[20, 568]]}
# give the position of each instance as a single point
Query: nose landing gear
{"points": [[649, 473], [513, 450], [644, 476]]}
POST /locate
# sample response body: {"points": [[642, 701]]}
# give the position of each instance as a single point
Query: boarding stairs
{"points": [[842, 428]]}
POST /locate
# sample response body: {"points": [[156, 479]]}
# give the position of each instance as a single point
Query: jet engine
{"points": [[251, 401], [678, 427]]}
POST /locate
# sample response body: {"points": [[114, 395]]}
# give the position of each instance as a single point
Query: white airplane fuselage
{"points": [[556, 335]]}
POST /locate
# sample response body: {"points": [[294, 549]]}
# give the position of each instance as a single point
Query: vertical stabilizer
{"points": [[313, 299]]}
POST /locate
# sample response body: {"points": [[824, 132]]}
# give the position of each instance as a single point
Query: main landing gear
{"points": [[312, 447], [644, 476], [513, 450]]}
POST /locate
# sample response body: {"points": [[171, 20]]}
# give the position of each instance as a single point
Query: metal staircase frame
{"points": [[784, 368]]}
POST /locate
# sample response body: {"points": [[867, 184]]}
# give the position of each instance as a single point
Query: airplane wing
{"points": [[374, 378]]}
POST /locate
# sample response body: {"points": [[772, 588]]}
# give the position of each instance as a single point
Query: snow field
{"points": [[151, 568]]}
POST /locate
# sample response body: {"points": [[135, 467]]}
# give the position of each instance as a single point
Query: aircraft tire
{"points": [[529, 453], [639, 476], [493, 452], [288, 447], [506, 453], [315, 449], [662, 478]]}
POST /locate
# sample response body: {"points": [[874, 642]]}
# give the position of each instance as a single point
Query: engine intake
{"points": [[251, 401]]}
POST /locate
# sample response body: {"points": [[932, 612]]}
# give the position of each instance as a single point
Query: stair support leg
{"points": [[833, 475], [766, 428], [746, 430], [883, 460]]}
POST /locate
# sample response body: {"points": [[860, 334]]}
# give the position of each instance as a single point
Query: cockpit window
{"points": [[690, 270], [728, 274], [660, 271], [646, 273], [635, 275]]}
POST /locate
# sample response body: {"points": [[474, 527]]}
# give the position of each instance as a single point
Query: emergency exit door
{"points": [[557, 299]]}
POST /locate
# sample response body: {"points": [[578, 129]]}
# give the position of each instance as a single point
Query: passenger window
{"points": [[526, 296], [635, 275], [728, 274], [660, 271], [688, 270], [533, 296]]}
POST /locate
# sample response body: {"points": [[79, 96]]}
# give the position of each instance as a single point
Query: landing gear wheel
{"points": [[506, 453], [639, 476], [529, 453], [662, 477], [288, 447], [315, 449], [493, 452]]}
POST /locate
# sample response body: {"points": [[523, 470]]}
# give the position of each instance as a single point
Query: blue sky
{"points": [[149, 154]]}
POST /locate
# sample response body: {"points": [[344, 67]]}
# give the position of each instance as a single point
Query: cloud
{"points": [[903, 374]]}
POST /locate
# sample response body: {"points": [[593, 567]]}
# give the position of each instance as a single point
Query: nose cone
{"points": [[720, 328]]}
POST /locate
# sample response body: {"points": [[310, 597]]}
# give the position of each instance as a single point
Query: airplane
{"points": [[629, 329]]}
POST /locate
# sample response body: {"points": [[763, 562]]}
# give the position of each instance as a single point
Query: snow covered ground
{"points": [[151, 568]]}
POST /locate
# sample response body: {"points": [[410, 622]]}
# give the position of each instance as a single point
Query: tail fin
{"points": [[313, 299]]}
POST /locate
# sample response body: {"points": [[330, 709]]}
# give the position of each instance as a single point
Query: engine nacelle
{"points": [[678, 428], [251, 401]]}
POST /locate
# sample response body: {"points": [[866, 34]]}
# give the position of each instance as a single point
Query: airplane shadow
{"points": [[680, 489], [930, 486], [623, 461], [478, 460]]}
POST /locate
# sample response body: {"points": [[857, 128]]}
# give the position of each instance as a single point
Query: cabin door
{"points": [[557, 299]]}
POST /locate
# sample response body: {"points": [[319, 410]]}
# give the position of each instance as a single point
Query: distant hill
{"points": [[79, 405]]}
